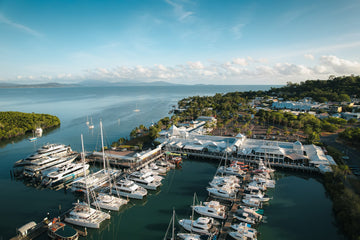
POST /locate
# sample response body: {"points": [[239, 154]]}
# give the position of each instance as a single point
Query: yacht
{"points": [[245, 217], [231, 170], [128, 188], [64, 174], [41, 167], [254, 211], [145, 180], [202, 225], [193, 236], [223, 192], [159, 170], [109, 202], [218, 181], [252, 202], [211, 209], [258, 196], [95, 180], [45, 151], [83, 215], [243, 234]]}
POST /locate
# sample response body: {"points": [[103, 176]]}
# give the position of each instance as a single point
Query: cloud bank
{"points": [[237, 71]]}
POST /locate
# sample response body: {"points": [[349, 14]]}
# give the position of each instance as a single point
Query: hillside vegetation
{"points": [[14, 124]]}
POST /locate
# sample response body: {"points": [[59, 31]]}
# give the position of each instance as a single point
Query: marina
{"points": [[176, 191]]}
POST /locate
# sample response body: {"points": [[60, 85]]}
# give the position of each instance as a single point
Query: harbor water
{"points": [[300, 208]]}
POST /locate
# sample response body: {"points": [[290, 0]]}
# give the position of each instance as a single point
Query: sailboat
{"points": [[136, 109], [82, 214], [104, 200], [91, 125], [33, 138]]}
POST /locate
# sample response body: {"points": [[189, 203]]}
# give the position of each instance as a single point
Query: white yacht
{"points": [[258, 196], [202, 225], [252, 202], [83, 215], [128, 188], [211, 209], [224, 192], [243, 234], [157, 169], [231, 170], [245, 217], [95, 180], [219, 182], [43, 152], [109, 202], [40, 167], [145, 180], [64, 174]]}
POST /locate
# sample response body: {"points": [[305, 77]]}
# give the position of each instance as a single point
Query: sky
{"points": [[242, 42]]}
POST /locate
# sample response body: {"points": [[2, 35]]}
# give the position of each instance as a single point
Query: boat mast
{"points": [[173, 226], [85, 177], [102, 144]]}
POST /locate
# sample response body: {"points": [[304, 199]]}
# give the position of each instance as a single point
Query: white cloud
{"points": [[195, 65], [341, 66], [240, 61], [237, 71], [19, 26], [309, 56]]}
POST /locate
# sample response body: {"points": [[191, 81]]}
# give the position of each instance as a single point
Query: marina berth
{"points": [[128, 189], [202, 225], [64, 174]]}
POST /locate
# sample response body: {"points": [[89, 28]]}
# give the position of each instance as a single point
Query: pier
{"points": [[220, 156]]}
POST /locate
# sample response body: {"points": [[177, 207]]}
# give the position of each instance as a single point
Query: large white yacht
{"points": [[41, 167], [94, 180], [47, 150], [109, 202], [211, 209], [64, 174], [202, 225], [223, 192], [145, 180], [129, 189]]}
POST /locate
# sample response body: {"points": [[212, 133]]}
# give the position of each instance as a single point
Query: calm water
{"points": [[298, 203]]}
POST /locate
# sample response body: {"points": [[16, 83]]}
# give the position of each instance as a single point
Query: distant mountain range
{"points": [[87, 83]]}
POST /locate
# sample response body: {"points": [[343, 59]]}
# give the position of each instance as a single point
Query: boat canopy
{"points": [[23, 231]]}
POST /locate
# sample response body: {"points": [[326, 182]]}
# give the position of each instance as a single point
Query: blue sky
{"points": [[179, 41]]}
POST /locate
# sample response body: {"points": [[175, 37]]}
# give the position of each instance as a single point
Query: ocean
{"points": [[298, 201]]}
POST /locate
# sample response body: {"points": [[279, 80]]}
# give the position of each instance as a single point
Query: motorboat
{"points": [[243, 234], [127, 188], [202, 225], [258, 196], [64, 174], [42, 166], [219, 182], [231, 170], [157, 169], [144, 180], [245, 217], [223, 192], [252, 202], [193, 236], [211, 209]]}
